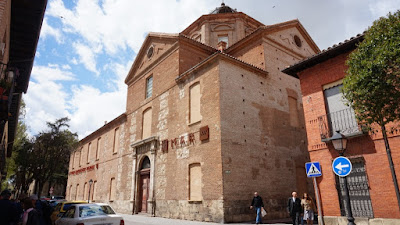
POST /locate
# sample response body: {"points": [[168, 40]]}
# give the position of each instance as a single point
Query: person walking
{"points": [[258, 205], [308, 205], [294, 208], [8, 210], [31, 215]]}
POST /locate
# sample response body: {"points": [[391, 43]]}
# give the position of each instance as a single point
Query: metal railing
{"points": [[343, 120]]}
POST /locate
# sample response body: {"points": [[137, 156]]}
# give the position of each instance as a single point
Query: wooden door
{"points": [[144, 191]]}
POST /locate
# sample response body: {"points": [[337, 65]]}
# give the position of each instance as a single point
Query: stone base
{"points": [[206, 210], [340, 220]]}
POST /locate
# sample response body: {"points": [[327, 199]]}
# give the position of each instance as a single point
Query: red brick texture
{"points": [[370, 147]]}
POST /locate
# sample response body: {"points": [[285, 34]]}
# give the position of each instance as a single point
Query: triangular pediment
{"points": [[293, 36], [154, 47]]}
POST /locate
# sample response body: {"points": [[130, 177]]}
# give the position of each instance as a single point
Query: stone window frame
{"points": [[115, 142], [85, 186], [111, 195], [98, 148], [88, 153], [94, 193], [189, 181], [147, 88], [151, 116], [224, 35], [189, 103], [77, 191]]}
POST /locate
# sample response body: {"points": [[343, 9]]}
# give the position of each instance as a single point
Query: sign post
{"points": [[313, 169]]}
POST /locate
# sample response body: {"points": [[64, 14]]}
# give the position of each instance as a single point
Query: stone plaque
{"points": [[204, 133]]}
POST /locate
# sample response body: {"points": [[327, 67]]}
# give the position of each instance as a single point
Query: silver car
{"points": [[90, 214]]}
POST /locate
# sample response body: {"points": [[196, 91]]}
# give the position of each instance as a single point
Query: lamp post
{"points": [[339, 142], [90, 185]]}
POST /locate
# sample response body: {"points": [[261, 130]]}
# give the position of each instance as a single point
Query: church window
{"points": [[224, 38], [195, 182], [146, 129], [116, 140], [149, 87], [194, 103], [293, 112]]}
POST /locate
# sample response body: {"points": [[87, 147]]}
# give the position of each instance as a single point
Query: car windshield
{"points": [[66, 206], [94, 210]]}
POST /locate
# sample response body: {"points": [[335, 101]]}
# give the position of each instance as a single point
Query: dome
{"points": [[223, 9]]}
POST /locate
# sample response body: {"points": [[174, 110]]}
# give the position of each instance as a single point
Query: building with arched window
{"points": [[210, 118]]}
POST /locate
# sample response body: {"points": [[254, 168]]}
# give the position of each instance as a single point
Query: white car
{"points": [[88, 214]]}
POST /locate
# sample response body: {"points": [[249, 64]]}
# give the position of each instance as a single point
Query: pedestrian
{"points": [[31, 215], [258, 205], [294, 208], [309, 207], [8, 210]]}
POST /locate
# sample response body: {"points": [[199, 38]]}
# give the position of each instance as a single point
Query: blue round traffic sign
{"points": [[341, 166]]}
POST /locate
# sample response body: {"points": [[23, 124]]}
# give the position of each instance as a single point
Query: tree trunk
{"points": [[392, 170]]}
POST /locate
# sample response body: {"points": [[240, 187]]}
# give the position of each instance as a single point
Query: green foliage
{"points": [[372, 85]]}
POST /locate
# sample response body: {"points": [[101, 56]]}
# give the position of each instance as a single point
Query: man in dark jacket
{"points": [[294, 208], [8, 210], [258, 205]]}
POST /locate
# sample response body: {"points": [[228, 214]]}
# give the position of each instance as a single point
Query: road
{"points": [[147, 220]]}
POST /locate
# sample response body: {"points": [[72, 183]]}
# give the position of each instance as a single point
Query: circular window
{"points": [[297, 40], [150, 52]]}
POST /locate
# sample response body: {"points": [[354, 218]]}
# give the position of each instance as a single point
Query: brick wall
{"points": [[370, 147]]}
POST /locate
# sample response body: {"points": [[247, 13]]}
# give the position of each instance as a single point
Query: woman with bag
{"points": [[308, 205]]}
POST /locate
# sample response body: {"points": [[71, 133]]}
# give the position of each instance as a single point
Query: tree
{"points": [[372, 84], [52, 151]]}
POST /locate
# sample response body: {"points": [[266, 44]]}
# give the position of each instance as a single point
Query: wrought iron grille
{"points": [[344, 121], [360, 199]]}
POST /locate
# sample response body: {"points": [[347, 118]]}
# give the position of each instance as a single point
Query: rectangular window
{"points": [[358, 185], [80, 157], [116, 140], [194, 103], [94, 197], [85, 191], [147, 118], [341, 117], [195, 182], [224, 38], [149, 87], [77, 192], [88, 152], [293, 112], [112, 189], [98, 148], [73, 160]]}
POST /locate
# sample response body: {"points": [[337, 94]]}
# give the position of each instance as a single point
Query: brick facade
{"points": [[244, 104], [369, 147]]}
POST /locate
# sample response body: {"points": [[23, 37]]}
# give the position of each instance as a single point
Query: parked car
{"points": [[53, 203], [88, 214], [61, 208]]}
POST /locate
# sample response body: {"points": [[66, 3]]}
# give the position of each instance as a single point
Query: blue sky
{"points": [[87, 47]]}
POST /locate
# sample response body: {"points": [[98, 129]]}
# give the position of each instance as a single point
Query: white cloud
{"points": [[383, 7], [48, 30], [87, 56], [85, 105]]}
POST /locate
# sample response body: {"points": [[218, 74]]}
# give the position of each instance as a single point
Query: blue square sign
{"points": [[313, 169]]}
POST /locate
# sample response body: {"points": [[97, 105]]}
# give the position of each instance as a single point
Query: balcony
{"points": [[344, 121]]}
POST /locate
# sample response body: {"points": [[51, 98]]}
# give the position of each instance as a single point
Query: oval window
{"points": [[297, 40], [150, 52]]}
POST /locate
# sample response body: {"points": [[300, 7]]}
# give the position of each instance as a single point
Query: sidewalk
{"points": [[143, 219]]}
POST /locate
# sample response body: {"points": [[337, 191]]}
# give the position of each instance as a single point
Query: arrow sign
{"points": [[341, 166]]}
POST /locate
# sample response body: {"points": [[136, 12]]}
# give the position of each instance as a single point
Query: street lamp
{"points": [[90, 185], [339, 142]]}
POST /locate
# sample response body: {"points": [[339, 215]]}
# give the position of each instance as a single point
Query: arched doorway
{"points": [[144, 184]]}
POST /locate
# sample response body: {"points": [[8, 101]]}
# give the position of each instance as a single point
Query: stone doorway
{"points": [[144, 185]]}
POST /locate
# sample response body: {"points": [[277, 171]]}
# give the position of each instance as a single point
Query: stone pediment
{"points": [[146, 145], [154, 48]]}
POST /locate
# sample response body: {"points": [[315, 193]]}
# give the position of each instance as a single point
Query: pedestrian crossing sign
{"points": [[313, 169]]}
